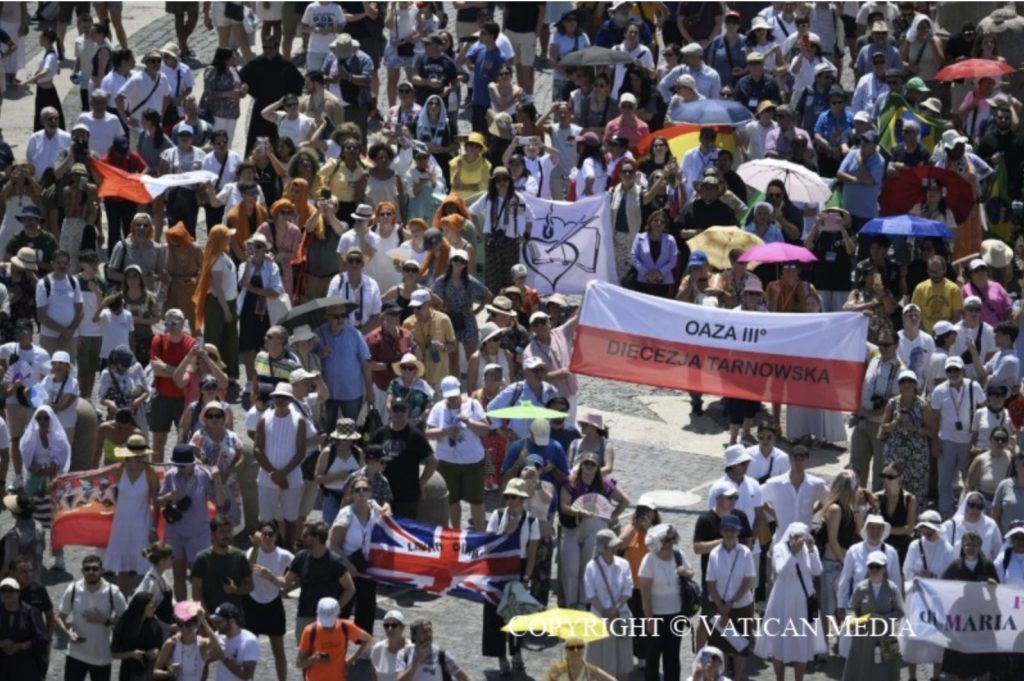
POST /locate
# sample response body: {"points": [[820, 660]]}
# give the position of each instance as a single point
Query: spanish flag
{"points": [[895, 112], [997, 204], [685, 136]]}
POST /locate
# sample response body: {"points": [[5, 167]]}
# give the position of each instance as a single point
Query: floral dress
{"points": [[221, 455], [217, 83], [909, 449], [459, 307]]}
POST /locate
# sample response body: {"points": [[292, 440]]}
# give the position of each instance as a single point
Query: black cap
{"points": [[183, 454], [399, 404], [391, 308], [228, 611], [373, 453]]}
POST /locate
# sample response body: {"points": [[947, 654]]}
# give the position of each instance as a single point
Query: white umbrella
{"points": [[802, 185]]}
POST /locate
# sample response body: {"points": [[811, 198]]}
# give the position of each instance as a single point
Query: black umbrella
{"points": [[314, 313], [596, 56]]}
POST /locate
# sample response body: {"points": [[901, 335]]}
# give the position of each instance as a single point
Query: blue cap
{"points": [[730, 521], [697, 258], [535, 460]]}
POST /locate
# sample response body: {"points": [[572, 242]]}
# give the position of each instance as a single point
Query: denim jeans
{"points": [[952, 461], [829, 580], [330, 506], [335, 409]]}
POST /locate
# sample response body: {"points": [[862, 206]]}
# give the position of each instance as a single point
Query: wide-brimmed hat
{"points": [[516, 487], [409, 358], [930, 519], [875, 519], [593, 419], [501, 126], [212, 405], [996, 253], [29, 210], [736, 454], [501, 305], [477, 138], [171, 49], [932, 105], [136, 446], [363, 212], [345, 429], [26, 259], [489, 331], [302, 333], [345, 46], [283, 389], [766, 105]]}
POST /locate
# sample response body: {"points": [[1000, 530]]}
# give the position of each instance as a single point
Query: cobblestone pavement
{"points": [[658, 447]]}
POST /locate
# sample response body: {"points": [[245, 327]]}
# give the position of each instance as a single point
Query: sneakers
{"points": [[18, 483]]}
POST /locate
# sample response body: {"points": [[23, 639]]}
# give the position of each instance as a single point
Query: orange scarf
{"points": [[178, 235], [216, 245], [238, 221], [451, 200]]}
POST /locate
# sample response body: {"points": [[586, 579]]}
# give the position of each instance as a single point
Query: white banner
{"points": [[570, 244], [158, 185], [969, 617]]}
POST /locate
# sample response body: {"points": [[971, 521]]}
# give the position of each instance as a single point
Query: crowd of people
{"points": [[356, 189]]}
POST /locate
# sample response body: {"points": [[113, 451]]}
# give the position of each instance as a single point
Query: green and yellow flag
{"points": [[896, 111], [997, 204]]}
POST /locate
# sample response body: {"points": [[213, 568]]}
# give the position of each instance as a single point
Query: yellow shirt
{"points": [[937, 302], [440, 329], [337, 177], [473, 177]]}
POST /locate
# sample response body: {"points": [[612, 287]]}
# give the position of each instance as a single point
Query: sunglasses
{"points": [[574, 647], [1000, 439], [354, 261], [91, 568], [977, 506], [215, 414], [510, 497], [952, 370], [360, 490], [337, 316], [386, 214], [876, 567], [409, 367], [410, 270], [392, 625]]}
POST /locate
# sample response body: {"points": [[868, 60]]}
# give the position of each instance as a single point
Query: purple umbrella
{"points": [[778, 252]]}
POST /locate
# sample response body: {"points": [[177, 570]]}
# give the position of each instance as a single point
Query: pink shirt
{"points": [[634, 133], [995, 301]]}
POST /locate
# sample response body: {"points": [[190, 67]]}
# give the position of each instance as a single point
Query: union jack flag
{"points": [[461, 563]]}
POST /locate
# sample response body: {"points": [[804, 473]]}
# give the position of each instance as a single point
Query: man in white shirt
{"points": [[239, 648], [737, 461], [972, 329], [855, 565], [279, 447], [456, 424], [44, 145], [88, 612], [59, 305], [420, 660], [870, 86], [697, 159], [222, 162], [915, 346], [794, 496], [103, 125], [730, 578], [767, 460], [145, 89], [359, 289], [953, 404], [179, 79], [322, 22]]}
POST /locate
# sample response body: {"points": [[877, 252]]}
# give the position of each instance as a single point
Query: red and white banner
{"points": [[811, 360]]}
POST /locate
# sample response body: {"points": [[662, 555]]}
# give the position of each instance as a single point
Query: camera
{"points": [[877, 401], [176, 510]]}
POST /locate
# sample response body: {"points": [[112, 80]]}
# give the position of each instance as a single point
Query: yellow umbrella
{"points": [[560, 622], [716, 242]]}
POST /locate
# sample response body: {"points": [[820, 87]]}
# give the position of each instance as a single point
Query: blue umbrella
{"points": [[711, 112], [907, 225]]}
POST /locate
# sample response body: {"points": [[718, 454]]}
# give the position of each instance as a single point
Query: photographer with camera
{"points": [[880, 385], [953, 404]]}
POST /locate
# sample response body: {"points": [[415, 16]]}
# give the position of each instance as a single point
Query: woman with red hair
{"points": [[382, 267], [214, 298], [284, 236]]}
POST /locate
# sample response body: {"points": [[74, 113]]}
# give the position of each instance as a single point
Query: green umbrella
{"points": [[526, 410]]}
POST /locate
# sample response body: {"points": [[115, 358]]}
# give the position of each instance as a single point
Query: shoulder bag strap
{"points": [[800, 576], [604, 576], [139, 105], [924, 558]]}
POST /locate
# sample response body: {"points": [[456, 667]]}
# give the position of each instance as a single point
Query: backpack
{"points": [[689, 590], [48, 286], [4, 558]]}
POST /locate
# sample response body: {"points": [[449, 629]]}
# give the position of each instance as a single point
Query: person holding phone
{"points": [[324, 644]]}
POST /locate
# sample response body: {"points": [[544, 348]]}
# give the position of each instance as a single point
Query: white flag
{"points": [[570, 244]]}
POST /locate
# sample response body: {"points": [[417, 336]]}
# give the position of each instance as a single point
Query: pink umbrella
{"points": [[777, 252]]}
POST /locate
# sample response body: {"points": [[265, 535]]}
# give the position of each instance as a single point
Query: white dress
{"points": [[787, 610], [130, 532], [825, 425], [10, 225]]}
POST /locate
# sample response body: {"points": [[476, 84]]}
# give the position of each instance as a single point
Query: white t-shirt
{"points": [[60, 304], [229, 287], [467, 448], [230, 164], [728, 569], [140, 94], [956, 406], [32, 366], [591, 168], [357, 535], [665, 596], [298, 129], [916, 353], [102, 131], [57, 389], [90, 302], [115, 330], [241, 649], [384, 661], [95, 649], [319, 15], [277, 561]]}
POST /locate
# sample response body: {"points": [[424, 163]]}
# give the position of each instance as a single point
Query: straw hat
{"points": [[409, 358], [135, 447]]}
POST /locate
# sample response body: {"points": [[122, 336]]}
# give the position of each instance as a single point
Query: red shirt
{"points": [[172, 354], [388, 349]]}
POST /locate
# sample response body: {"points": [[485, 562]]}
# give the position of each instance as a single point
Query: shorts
{"points": [[182, 8], [89, 362], [310, 494], [465, 481], [393, 61], [739, 410], [264, 619], [275, 503], [525, 45], [165, 412], [18, 417], [69, 8], [220, 19], [186, 546]]}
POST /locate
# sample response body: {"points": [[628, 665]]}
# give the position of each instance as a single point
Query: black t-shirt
{"points": [[319, 577], [215, 569], [911, 159], [36, 596], [404, 451], [524, 18], [707, 529], [1011, 145], [700, 215], [443, 68], [832, 271]]}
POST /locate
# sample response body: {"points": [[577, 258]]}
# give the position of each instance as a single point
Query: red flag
{"points": [[120, 184]]}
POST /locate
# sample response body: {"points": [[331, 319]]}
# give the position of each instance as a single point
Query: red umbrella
{"points": [[974, 68], [906, 190]]}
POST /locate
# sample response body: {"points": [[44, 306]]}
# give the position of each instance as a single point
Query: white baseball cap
{"points": [[540, 429], [450, 387]]}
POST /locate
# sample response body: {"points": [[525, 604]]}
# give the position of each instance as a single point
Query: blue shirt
{"points": [[552, 453], [862, 199], [342, 369], [485, 70], [516, 393], [718, 56], [826, 123]]}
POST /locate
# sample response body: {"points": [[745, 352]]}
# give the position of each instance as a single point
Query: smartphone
{"points": [[199, 342], [325, 194]]}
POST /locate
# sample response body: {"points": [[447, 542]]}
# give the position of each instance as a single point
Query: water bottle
{"points": [[435, 355], [878, 654]]}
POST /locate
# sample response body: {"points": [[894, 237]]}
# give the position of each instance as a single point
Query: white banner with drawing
{"points": [[570, 244]]}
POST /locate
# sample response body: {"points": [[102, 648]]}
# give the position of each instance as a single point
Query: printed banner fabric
{"points": [[121, 184], [570, 244], [811, 360], [462, 563], [969, 617]]}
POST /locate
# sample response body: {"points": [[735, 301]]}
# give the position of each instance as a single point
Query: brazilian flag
{"points": [[895, 113], [997, 204]]}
